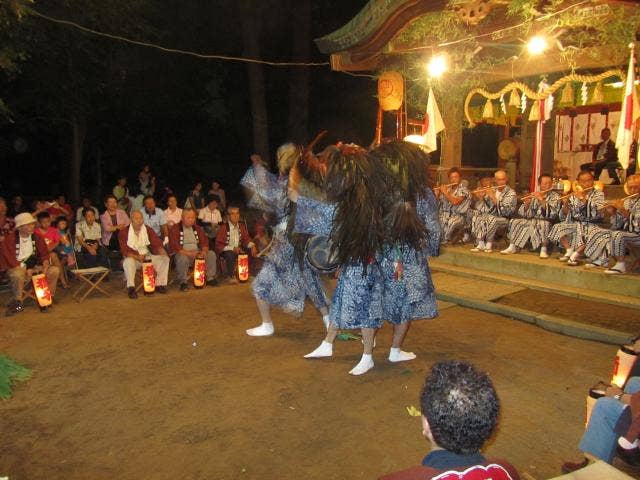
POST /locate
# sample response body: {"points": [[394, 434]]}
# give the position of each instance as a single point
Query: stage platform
{"points": [[527, 270]]}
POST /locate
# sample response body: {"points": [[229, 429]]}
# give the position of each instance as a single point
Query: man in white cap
{"points": [[26, 254]]}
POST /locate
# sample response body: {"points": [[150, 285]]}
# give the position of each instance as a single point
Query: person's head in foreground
{"points": [[460, 409]]}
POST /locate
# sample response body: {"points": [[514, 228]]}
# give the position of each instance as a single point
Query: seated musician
{"points": [[454, 203], [614, 242], [538, 212], [579, 215], [500, 201]]}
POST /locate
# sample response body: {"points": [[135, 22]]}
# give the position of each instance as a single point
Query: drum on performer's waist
{"points": [[319, 255]]}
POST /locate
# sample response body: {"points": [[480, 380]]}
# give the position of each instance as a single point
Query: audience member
{"points": [[210, 217], [261, 239], [195, 198], [138, 243], [51, 238], [189, 242], [25, 254], [232, 239], [65, 248], [460, 410], [60, 207], [6, 223], [86, 203], [154, 217], [173, 213], [121, 194], [147, 181], [219, 192], [112, 220], [88, 241], [17, 206]]}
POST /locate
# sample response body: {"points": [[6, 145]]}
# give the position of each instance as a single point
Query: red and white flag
{"points": [[432, 123], [630, 113]]}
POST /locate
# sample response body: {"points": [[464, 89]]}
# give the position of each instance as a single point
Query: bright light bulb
{"points": [[437, 66], [537, 45]]}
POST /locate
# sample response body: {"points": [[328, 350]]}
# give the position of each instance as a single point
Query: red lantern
{"points": [[41, 288], [622, 365], [199, 272], [148, 277], [243, 267]]}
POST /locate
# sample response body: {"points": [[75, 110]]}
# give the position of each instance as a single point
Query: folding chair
{"points": [[90, 279]]}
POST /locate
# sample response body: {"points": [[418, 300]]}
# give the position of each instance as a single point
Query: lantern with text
{"points": [[41, 289], [148, 277], [199, 272], [390, 90], [243, 267], [622, 364]]}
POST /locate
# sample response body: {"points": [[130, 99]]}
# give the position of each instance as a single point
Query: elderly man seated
{"points": [[460, 410], [138, 244], [232, 239], [189, 242], [24, 254]]}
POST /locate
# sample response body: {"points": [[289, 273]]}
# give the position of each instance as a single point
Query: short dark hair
{"points": [[454, 170], [213, 198], [172, 196], [543, 175], [461, 406], [106, 199], [61, 218], [147, 197], [583, 173], [42, 215], [87, 210]]}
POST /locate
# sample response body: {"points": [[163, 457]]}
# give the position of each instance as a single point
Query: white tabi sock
{"points": [[263, 330], [574, 256], [619, 266], [324, 350], [569, 252], [365, 364], [481, 245], [397, 355], [325, 320], [488, 246], [626, 444]]}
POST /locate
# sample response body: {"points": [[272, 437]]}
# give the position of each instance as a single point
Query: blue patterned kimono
{"points": [[357, 299], [411, 295], [280, 281]]}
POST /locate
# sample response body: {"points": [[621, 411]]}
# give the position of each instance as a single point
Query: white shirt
{"points": [[173, 217], [210, 216], [80, 217], [86, 232], [26, 248]]}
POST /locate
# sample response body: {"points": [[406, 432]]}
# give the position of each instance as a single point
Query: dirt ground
{"points": [[170, 387], [595, 313]]}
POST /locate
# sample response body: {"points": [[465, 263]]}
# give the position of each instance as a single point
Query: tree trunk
{"points": [[251, 25], [299, 77], [79, 133]]}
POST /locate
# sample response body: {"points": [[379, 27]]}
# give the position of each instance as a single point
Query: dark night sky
{"points": [[189, 118]]}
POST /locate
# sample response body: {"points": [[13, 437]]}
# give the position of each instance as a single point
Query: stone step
{"points": [[528, 270]]}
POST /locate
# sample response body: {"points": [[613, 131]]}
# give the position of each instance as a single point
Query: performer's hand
{"points": [[612, 391]]}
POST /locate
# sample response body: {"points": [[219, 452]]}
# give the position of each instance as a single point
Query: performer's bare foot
{"points": [[397, 355], [324, 350], [263, 330], [365, 364]]}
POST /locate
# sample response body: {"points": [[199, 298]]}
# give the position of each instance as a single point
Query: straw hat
{"points": [[24, 219]]}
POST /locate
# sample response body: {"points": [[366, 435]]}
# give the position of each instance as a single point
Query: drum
{"points": [[318, 253]]}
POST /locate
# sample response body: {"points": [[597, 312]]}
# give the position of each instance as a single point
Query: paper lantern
{"points": [[487, 111], [199, 272], [243, 267], [622, 365], [592, 397], [567, 97], [148, 277], [598, 96], [534, 115], [514, 99], [41, 288], [390, 90]]}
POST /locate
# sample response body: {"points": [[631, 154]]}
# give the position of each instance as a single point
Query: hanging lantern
{"points": [[534, 115], [598, 96], [390, 91], [148, 277], [243, 267], [514, 99], [199, 272], [41, 288], [567, 97], [622, 365], [594, 394], [487, 111]]}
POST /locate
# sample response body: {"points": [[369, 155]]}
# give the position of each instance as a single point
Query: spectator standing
{"points": [[195, 199], [147, 181], [121, 193], [173, 213], [17, 206], [216, 190]]}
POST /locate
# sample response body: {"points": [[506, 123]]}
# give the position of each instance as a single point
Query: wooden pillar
{"points": [[451, 140]]}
